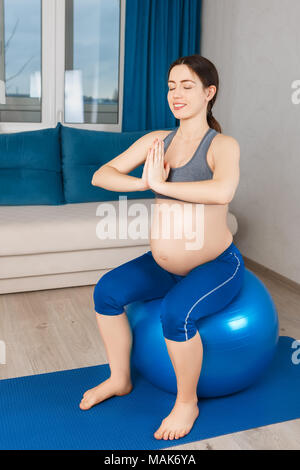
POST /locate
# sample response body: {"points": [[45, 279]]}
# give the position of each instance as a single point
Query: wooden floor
{"points": [[51, 330]]}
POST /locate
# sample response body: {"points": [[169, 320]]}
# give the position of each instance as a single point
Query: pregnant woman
{"points": [[194, 167]]}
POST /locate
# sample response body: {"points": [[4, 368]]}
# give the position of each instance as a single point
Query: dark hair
{"points": [[208, 75]]}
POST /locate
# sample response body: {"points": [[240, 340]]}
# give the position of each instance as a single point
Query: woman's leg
{"points": [[139, 279], [205, 290], [117, 338], [186, 357]]}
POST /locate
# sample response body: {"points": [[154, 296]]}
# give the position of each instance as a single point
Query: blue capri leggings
{"points": [[206, 289]]}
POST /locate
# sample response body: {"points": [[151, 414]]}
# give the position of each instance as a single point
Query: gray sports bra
{"points": [[196, 169]]}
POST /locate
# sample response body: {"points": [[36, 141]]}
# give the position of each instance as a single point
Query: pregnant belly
{"points": [[185, 235]]}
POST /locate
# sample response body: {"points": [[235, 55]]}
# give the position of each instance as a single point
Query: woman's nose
{"points": [[177, 95]]}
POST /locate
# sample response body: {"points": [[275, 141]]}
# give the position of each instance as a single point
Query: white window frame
{"points": [[53, 72]]}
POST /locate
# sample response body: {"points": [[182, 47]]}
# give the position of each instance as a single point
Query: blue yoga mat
{"points": [[42, 412]]}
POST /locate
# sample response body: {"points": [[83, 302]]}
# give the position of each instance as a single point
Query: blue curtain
{"points": [[157, 32]]}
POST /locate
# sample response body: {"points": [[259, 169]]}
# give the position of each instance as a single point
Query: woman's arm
{"points": [[199, 192], [110, 178]]}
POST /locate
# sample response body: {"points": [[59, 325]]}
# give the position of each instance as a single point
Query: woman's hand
{"points": [[157, 147], [157, 170], [145, 174]]}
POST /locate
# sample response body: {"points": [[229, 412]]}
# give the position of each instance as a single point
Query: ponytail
{"points": [[212, 122]]}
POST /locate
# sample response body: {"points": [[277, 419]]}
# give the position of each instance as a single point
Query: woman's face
{"points": [[186, 88]]}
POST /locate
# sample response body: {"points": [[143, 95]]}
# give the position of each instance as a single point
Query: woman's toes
{"points": [[82, 405], [166, 435], [171, 435], [182, 433], [158, 434], [86, 402]]}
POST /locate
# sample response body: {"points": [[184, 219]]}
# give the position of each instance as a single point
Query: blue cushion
{"points": [[30, 168], [83, 152]]}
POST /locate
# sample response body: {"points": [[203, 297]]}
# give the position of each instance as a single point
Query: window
{"points": [[61, 61], [92, 61], [20, 61]]}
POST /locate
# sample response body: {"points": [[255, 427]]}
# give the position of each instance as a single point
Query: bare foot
{"points": [[105, 390], [179, 422]]}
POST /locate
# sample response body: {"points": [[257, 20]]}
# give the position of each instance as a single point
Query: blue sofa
{"points": [[55, 166], [48, 208]]}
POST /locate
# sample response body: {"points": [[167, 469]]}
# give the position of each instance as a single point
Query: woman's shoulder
{"points": [[222, 140], [162, 134], [225, 138], [223, 145]]}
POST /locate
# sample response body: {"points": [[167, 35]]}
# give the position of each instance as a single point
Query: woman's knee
{"points": [[176, 324], [105, 296]]}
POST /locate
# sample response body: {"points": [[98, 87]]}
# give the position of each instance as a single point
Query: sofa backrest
{"points": [[83, 152], [56, 165], [30, 168]]}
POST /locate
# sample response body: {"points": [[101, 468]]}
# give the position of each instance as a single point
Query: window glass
{"points": [[20, 60], [92, 61]]}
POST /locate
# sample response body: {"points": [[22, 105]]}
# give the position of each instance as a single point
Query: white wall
{"points": [[255, 45]]}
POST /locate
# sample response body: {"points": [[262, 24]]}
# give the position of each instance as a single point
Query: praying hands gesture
{"points": [[155, 170]]}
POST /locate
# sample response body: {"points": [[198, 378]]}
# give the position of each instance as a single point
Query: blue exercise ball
{"points": [[239, 342]]}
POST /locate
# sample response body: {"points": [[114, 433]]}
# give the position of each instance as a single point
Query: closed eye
{"points": [[186, 88]]}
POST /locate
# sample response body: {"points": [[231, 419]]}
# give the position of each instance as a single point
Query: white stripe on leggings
{"points": [[186, 335]]}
